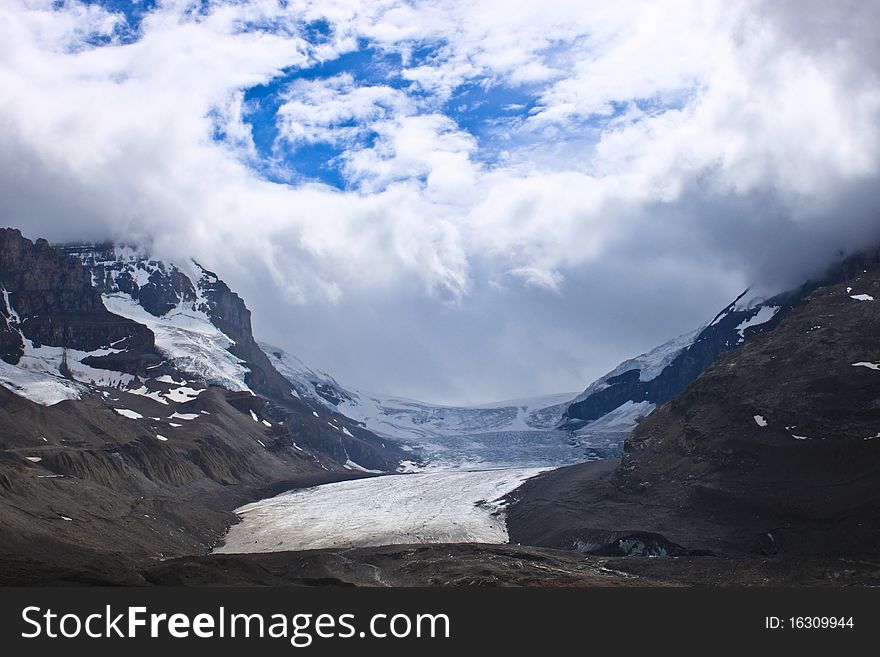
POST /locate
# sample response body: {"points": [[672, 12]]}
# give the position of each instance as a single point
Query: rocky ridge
{"points": [[773, 450]]}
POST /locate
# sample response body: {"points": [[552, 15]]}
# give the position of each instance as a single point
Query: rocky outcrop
{"points": [[49, 299], [774, 449], [164, 289], [152, 422], [637, 381]]}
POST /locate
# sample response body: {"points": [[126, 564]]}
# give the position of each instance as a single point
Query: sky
{"points": [[449, 200]]}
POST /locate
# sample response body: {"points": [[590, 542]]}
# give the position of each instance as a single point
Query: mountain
{"points": [[774, 449], [411, 420], [613, 405], [137, 410]]}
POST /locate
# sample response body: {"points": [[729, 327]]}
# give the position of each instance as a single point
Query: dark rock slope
{"points": [[159, 288], [49, 299], [684, 359], [81, 485], [132, 435], [774, 449], [55, 325]]}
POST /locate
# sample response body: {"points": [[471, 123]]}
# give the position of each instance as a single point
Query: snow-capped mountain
{"points": [[773, 450], [136, 410], [611, 407], [411, 420], [638, 385], [84, 320]]}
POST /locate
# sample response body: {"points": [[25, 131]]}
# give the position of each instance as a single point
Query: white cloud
{"points": [[335, 109], [681, 147]]}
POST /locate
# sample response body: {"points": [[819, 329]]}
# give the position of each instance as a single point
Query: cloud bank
{"points": [[453, 200]]}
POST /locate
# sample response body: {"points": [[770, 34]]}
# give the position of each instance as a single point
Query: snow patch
{"points": [[187, 338], [351, 465], [39, 387], [183, 395], [124, 412], [144, 392], [870, 366], [183, 416], [760, 421], [764, 315], [165, 378]]}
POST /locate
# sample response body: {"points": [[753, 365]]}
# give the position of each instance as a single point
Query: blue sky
{"points": [[449, 200]]}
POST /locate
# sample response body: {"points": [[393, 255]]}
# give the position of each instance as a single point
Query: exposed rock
{"points": [[637, 381], [50, 300], [774, 449]]}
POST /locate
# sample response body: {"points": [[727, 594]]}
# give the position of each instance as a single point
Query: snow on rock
{"points": [[170, 380], [764, 315], [183, 416], [254, 416], [435, 507], [870, 366], [266, 423], [183, 395], [624, 419], [861, 297], [38, 374], [124, 412], [649, 364], [760, 421], [161, 437], [40, 387], [409, 419], [37, 459], [188, 339], [144, 392], [351, 465]]}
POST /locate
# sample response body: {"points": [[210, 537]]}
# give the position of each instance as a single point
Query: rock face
{"points": [[137, 410], [633, 382], [79, 482], [611, 407], [49, 299], [774, 449], [162, 288]]}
